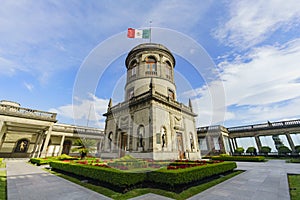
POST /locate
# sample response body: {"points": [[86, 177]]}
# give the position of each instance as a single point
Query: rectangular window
{"points": [[133, 71]]}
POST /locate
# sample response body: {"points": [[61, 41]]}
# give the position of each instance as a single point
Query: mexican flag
{"points": [[136, 33]]}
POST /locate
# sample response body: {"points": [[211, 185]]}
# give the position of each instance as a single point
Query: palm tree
{"points": [[83, 147]]}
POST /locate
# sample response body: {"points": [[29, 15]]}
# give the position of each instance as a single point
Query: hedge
{"points": [[188, 175], [240, 158], [1, 160], [44, 161], [111, 176]]}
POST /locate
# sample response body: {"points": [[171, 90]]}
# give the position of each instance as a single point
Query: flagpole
{"points": [[150, 30]]}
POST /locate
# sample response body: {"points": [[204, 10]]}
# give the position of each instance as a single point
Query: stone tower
{"points": [[150, 123]]}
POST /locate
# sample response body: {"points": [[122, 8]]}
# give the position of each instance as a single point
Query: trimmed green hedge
{"points": [[240, 158], [188, 175], [123, 181], [44, 161], [112, 176]]}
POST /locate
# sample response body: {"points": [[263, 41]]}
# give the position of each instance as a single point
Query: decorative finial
{"points": [[190, 104], [110, 103]]}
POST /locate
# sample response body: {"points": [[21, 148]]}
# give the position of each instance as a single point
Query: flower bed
{"points": [[166, 179], [47, 160]]}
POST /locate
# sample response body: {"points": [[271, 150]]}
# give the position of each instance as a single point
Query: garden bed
{"points": [[187, 174], [240, 158]]}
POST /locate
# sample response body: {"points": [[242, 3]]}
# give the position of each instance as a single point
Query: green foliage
{"points": [[114, 177], [297, 148], [294, 184], [125, 180], [44, 161], [265, 150], [239, 150], [3, 184], [240, 158], [284, 150], [1, 160], [251, 150], [84, 146], [172, 178]]}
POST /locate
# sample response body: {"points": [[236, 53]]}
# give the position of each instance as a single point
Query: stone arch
{"points": [[22, 145], [66, 147]]}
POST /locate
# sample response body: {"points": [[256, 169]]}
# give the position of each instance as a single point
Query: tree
{"points": [[84, 147], [239, 150], [284, 150], [251, 150], [265, 150], [297, 149]]}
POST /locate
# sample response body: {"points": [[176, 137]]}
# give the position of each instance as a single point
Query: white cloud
{"points": [[260, 85], [85, 111], [28, 86], [252, 22]]}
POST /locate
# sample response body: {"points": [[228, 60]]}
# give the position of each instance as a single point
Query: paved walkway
{"points": [[266, 181], [28, 182]]}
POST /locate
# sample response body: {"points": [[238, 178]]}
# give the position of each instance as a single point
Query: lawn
{"points": [[2, 181], [294, 184], [138, 192]]}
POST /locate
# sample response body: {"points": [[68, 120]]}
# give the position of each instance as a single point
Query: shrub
{"points": [[171, 178], [114, 177], [297, 148], [239, 150], [265, 150], [251, 150], [284, 150], [240, 158], [1, 160]]}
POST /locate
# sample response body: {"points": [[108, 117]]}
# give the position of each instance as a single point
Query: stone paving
{"points": [[267, 181], [28, 182]]}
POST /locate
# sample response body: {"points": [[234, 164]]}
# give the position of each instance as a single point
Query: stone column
{"points": [[3, 129], [35, 148], [235, 143], [230, 145], [291, 143], [258, 143], [46, 143], [61, 146]]}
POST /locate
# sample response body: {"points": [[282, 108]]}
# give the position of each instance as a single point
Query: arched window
{"points": [[168, 70], [132, 70], [151, 67], [141, 134], [171, 94], [22, 146]]}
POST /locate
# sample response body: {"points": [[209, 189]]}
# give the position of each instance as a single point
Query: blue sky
{"points": [[255, 47]]}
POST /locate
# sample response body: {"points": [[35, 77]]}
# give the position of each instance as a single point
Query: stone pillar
{"points": [[230, 145], [61, 146], [46, 143], [291, 143], [3, 129], [36, 145], [258, 143], [235, 143]]}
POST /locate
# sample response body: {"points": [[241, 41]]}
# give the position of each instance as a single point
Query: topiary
{"points": [[239, 150], [251, 150], [284, 150], [297, 149], [265, 150]]}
